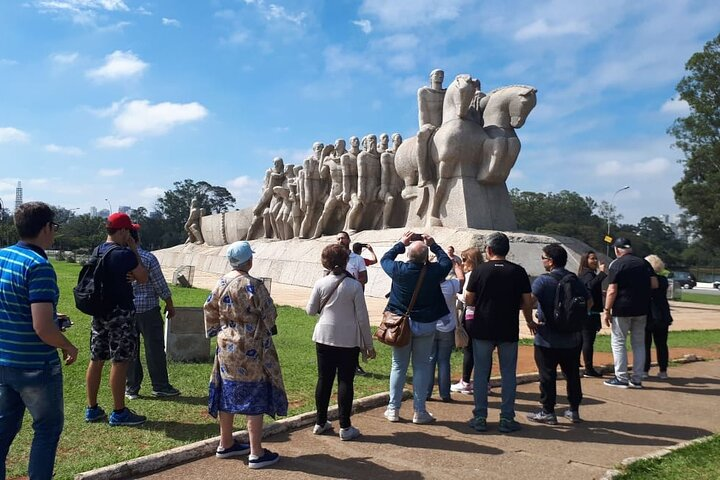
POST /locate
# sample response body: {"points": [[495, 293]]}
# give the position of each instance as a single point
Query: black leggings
{"points": [[332, 360], [660, 335], [468, 363], [588, 343]]}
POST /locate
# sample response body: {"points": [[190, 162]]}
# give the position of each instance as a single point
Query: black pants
{"points": [[150, 325], [660, 335], [588, 344], [547, 360], [332, 360], [468, 363]]}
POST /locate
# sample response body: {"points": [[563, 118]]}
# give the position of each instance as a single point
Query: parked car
{"points": [[683, 279], [716, 284]]}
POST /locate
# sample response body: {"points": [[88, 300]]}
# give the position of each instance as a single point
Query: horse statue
{"points": [[503, 110], [459, 139]]}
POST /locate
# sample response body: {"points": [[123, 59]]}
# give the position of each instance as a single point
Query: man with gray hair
{"points": [[429, 307], [627, 301], [496, 291]]}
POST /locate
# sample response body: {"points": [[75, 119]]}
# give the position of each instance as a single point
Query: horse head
{"points": [[510, 106], [459, 96]]}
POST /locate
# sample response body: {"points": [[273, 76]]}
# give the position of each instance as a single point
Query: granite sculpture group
{"points": [[452, 173]]}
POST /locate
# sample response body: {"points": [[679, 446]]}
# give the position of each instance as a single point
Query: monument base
{"points": [[297, 262]]}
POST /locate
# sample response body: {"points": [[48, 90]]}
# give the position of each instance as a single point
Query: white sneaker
{"points": [[392, 414], [318, 429], [422, 418], [349, 433], [460, 386]]}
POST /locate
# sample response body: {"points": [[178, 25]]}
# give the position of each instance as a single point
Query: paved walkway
{"points": [[618, 424]]}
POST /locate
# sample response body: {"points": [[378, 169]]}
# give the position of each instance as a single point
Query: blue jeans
{"points": [[41, 391], [507, 355], [442, 349], [420, 348]]}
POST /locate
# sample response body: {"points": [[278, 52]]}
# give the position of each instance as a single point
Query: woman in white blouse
{"points": [[341, 334]]}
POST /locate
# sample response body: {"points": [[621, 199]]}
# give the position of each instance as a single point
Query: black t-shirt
{"points": [[498, 286], [117, 290], [632, 275]]}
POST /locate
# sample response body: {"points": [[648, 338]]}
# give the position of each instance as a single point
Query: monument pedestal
{"points": [[475, 205]]}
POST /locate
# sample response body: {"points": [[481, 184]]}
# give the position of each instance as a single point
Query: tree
{"points": [[698, 136], [175, 204]]}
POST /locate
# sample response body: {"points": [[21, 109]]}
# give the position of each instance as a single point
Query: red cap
{"points": [[119, 221]]}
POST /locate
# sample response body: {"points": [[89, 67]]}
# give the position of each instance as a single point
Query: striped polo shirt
{"points": [[26, 277]]}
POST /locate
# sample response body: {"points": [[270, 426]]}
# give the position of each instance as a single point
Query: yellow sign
{"points": [[608, 239]]}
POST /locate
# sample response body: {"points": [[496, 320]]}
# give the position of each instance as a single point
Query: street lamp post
{"points": [[612, 201], [109, 206]]}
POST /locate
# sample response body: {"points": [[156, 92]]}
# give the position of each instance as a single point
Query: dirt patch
{"points": [[526, 357]]}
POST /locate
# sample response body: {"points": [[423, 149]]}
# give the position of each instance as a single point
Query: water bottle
{"points": [[469, 313]]}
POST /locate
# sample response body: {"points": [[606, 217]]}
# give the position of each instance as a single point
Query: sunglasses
{"points": [[543, 257], [55, 226]]}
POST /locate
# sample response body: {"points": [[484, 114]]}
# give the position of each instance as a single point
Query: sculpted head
{"points": [[371, 143], [296, 169], [290, 170], [278, 165], [384, 140], [339, 146], [317, 148], [417, 252], [397, 140], [437, 76], [354, 142]]}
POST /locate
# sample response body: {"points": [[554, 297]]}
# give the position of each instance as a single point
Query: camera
{"points": [[63, 322], [416, 237]]}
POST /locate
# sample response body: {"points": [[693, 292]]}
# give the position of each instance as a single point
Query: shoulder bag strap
{"points": [[327, 299], [417, 290]]}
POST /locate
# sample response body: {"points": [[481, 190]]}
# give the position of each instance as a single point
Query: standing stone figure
{"points": [[192, 226], [384, 143], [332, 170], [348, 164], [390, 181], [430, 117], [368, 165], [274, 177], [312, 190]]}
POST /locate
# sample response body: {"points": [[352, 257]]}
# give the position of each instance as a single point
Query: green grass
{"points": [[705, 298], [176, 421], [700, 461], [706, 339]]}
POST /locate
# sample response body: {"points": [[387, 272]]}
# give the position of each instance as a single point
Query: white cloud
{"points": [[110, 111], [11, 134], [151, 192], [242, 182], [616, 168], [72, 151], [245, 189], [364, 24], [541, 29], [119, 65], [112, 141], [81, 12], [170, 22], [64, 58], [139, 117], [676, 106], [412, 13], [110, 172], [7, 62]]}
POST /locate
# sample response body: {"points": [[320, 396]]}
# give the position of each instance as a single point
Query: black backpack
{"points": [[570, 306], [88, 292]]}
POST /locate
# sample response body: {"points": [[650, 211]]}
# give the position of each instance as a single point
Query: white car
{"points": [[716, 284]]}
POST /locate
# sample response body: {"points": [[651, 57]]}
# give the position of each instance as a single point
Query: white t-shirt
{"points": [[450, 288], [355, 265]]}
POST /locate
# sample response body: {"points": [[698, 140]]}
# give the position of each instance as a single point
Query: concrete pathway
{"points": [[618, 424]]}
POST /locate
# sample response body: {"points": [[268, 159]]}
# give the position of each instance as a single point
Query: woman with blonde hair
{"points": [[658, 320], [246, 377], [471, 258]]}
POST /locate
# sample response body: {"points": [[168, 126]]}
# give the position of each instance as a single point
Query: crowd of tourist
{"points": [[479, 295]]}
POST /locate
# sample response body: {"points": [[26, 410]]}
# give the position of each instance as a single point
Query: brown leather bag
{"points": [[394, 329]]}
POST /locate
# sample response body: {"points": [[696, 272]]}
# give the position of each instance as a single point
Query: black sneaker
{"points": [[359, 371], [236, 450], [168, 391], [637, 385], [591, 373], [268, 458], [543, 417], [616, 382]]}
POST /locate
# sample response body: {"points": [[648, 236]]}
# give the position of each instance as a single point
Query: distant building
{"points": [[18, 195], [681, 233], [124, 209], [104, 213], [155, 214], [93, 212]]}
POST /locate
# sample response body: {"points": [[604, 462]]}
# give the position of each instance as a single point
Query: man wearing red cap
{"points": [[114, 336]]}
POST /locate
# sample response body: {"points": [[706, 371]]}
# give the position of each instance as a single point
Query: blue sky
{"points": [[117, 99]]}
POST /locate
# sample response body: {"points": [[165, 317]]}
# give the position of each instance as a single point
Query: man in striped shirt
{"points": [[149, 324], [30, 370]]}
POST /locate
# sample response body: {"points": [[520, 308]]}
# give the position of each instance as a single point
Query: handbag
{"points": [[462, 339], [394, 329]]}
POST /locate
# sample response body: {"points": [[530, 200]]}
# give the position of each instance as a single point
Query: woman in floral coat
{"points": [[246, 377]]}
